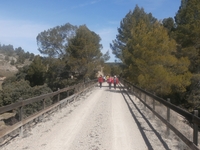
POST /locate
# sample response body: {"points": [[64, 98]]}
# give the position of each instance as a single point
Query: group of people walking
{"points": [[110, 80]]}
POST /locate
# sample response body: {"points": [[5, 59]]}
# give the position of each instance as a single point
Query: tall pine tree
{"points": [[149, 55], [188, 38], [84, 53]]}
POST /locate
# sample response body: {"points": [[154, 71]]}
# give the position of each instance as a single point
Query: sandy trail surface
{"points": [[99, 120]]}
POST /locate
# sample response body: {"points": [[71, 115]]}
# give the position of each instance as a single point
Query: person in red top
{"points": [[109, 80], [100, 80], [115, 81]]}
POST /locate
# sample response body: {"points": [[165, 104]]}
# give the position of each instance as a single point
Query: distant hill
{"points": [[6, 69], [9, 66]]}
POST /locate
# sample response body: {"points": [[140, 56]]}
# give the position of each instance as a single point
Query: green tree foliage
{"points": [[188, 32], [193, 94], [18, 53], [21, 74], [169, 24], [54, 41], [112, 69], [7, 49], [37, 91], [31, 57], [58, 75], [187, 35], [84, 53], [106, 56], [116, 70], [157, 68], [15, 90], [127, 23], [106, 69], [21, 90], [21, 55], [149, 57], [36, 72]]}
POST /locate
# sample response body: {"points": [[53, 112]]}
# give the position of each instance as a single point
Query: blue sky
{"points": [[22, 20]]}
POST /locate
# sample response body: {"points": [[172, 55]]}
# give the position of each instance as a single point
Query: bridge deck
{"points": [[100, 120]]}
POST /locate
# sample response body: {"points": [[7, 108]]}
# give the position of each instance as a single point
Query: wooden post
{"points": [[75, 91], [59, 106], [58, 95], [153, 106], [136, 92], [195, 130], [44, 105], [21, 118], [68, 96], [168, 117], [68, 93], [145, 96]]}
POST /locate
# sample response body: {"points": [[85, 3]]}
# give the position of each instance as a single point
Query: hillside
{"points": [[8, 70]]}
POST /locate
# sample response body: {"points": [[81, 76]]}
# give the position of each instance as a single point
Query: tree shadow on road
{"points": [[142, 129]]}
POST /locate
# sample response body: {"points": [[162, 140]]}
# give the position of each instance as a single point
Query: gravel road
{"points": [[100, 120]]}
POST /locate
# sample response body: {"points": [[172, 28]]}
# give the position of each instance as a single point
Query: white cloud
{"points": [[17, 28], [21, 33], [86, 4]]}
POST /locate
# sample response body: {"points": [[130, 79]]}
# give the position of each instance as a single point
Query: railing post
{"points": [[132, 90], [145, 96], [44, 105], [21, 118], [58, 95], [168, 117], [153, 105], [68, 96], [75, 92], [68, 93], [195, 130], [59, 106]]}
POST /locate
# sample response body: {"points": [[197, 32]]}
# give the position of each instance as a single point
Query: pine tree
{"points": [[84, 53], [188, 32], [36, 72], [128, 22], [188, 38], [148, 53], [54, 41], [153, 64]]}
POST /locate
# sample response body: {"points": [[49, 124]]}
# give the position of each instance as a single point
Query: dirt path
{"points": [[100, 120]]}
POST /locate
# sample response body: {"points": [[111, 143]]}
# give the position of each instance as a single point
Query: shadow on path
{"points": [[139, 124]]}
